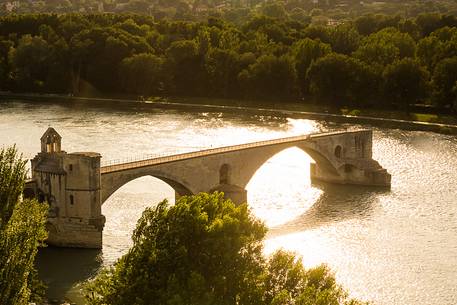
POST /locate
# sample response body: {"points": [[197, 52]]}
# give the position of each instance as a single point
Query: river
{"points": [[390, 247]]}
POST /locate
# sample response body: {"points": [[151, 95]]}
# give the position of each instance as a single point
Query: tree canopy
{"points": [[265, 58], [207, 250], [22, 231]]}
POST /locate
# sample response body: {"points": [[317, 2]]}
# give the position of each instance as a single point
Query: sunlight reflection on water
{"points": [[394, 247]]}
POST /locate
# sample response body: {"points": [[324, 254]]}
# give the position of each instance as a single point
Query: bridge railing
{"points": [[137, 158], [151, 159], [139, 161]]}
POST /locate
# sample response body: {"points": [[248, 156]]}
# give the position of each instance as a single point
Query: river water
{"points": [[389, 247]]}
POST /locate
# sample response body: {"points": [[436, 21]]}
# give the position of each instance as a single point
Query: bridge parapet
{"points": [[140, 161]]}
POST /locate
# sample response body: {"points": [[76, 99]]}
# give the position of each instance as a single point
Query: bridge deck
{"points": [[119, 166]]}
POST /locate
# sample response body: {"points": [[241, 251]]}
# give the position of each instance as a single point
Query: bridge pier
{"points": [[75, 232], [349, 174], [352, 162], [233, 192]]}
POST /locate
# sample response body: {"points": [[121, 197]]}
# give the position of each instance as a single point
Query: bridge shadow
{"points": [[337, 203], [63, 270]]}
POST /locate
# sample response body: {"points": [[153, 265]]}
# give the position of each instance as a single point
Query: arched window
{"points": [[224, 174], [72, 200], [338, 151]]}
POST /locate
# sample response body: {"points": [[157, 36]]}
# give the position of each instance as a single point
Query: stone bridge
{"points": [[75, 185]]}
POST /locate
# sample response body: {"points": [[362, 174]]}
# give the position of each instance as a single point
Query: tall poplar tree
{"points": [[22, 231]]}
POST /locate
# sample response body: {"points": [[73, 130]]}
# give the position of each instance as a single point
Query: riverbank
{"points": [[379, 118]]}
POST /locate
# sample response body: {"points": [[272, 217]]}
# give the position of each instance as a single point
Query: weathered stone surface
{"points": [[344, 157], [70, 184], [75, 185]]}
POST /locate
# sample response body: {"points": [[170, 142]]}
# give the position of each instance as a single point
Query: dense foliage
{"points": [[22, 230], [206, 250], [316, 11], [372, 60]]}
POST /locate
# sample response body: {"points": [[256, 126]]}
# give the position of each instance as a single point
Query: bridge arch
{"points": [[323, 160], [113, 181]]}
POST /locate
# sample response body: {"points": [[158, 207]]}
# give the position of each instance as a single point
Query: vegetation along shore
{"points": [[372, 61]]}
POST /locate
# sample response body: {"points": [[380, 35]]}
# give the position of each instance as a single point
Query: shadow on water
{"points": [[62, 269], [337, 203]]}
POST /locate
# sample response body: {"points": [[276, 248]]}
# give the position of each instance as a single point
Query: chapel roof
{"points": [[50, 132]]}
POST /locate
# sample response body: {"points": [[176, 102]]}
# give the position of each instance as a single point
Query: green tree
{"points": [[300, 15], [405, 82], [317, 32], [409, 26], [22, 231], [222, 67], [288, 282], [5, 46], [30, 61], [341, 80], [98, 52], [229, 40], [305, 52], [202, 250], [142, 74], [371, 23], [185, 65], [386, 46], [439, 45], [444, 79], [344, 39], [269, 77], [367, 24], [205, 250], [429, 51]]}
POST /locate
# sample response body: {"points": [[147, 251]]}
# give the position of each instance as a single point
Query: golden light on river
{"points": [[224, 134], [274, 188], [392, 246], [280, 192], [301, 242]]}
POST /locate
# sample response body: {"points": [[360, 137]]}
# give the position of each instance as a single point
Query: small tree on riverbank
{"points": [[22, 230], [205, 250]]}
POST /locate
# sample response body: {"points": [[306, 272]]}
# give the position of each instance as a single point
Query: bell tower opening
{"points": [[51, 141]]}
